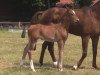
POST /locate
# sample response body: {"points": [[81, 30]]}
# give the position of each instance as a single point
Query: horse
{"points": [[89, 27], [50, 32]]}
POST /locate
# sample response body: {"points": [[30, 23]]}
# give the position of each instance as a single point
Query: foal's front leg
{"points": [[60, 59], [31, 46]]}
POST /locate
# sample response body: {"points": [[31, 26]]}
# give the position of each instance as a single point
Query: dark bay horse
{"points": [[50, 32], [89, 27]]}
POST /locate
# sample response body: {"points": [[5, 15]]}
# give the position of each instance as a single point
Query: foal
{"points": [[52, 33]]}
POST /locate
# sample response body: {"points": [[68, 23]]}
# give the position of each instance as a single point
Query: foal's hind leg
{"points": [[95, 40], [85, 41], [28, 50], [24, 55]]}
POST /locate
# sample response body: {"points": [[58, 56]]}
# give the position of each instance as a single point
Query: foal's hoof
{"points": [[33, 70], [75, 67], [60, 69], [21, 63]]}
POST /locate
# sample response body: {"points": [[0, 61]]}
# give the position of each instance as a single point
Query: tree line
{"points": [[24, 9]]}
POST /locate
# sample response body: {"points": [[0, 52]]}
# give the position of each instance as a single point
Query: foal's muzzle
{"points": [[77, 21]]}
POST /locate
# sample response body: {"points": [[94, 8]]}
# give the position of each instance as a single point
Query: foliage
{"points": [[82, 3], [24, 9]]}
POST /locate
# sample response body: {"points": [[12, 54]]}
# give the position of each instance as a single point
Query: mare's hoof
{"points": [[41, 64], [75, 67], [95, 67], [55, 64]]}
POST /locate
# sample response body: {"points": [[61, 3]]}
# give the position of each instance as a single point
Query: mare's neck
{"points": [[96, 10]]}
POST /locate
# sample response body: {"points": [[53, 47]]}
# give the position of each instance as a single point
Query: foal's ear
{"points": [[69, 6], [68, 9]]}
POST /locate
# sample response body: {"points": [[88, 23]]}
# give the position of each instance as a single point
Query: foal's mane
{"points": [[64, 16]]}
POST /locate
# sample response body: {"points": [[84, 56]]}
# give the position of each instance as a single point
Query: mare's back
{"points": [[87, 24], [52, 15]]}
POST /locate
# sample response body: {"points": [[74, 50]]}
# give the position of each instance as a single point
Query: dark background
{"points": [[22, 10]]}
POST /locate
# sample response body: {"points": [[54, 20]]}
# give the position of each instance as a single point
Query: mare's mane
{"points": [[96, 3]]}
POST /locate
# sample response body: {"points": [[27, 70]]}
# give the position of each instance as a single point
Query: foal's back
{"points": [[50, 32]]}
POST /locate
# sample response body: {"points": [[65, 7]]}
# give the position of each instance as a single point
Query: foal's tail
{"points": [[35, 20], [23, 32]]}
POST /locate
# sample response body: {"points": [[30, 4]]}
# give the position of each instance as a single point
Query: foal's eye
{"points": [[71, 13]]}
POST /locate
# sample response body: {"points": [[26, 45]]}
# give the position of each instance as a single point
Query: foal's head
{"points": [[69, 17]]}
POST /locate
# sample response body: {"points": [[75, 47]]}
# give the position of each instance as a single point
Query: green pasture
{"points": [[12, 45]]}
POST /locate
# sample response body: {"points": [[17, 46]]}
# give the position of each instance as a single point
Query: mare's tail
{"points": [[36, 17]]}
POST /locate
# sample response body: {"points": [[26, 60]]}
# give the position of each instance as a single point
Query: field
{"points": [[11, 48]]}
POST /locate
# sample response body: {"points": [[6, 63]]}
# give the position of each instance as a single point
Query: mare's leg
{"points": [[95, 40], [44, 46], [85, 40], [50, 46], [51, 51], [60, 59]]}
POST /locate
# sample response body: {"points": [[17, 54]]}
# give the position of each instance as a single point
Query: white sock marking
{"points": [[32, 65]]}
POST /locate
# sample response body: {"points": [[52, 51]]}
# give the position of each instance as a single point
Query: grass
{"points": [[11, 48]]}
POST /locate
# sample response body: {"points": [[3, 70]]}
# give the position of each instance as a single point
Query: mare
{"points": [[89, 27], [50, 32]]}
